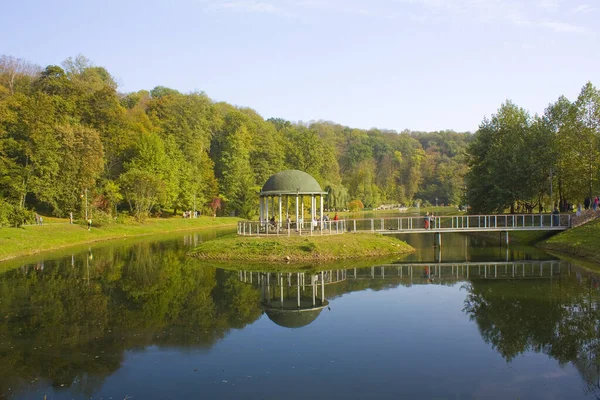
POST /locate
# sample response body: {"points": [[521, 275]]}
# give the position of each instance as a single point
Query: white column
{"points": [[267, 209], [280, 220], [298, 288], [302, 206], [260, 207], [322, 289], [297, 227], [313, 202], [314, 288], [321, 210], [281, 289]]}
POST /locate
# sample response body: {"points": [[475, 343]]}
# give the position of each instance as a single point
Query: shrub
{"points": [[355, 205]]}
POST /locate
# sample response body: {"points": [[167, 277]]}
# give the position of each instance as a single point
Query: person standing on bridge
{"points": [[427, 220], [555, 217]]}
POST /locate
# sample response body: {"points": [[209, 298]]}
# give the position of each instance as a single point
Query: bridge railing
{"points": [[462, 222], [406, 224], [256, 228], [458, 270]]}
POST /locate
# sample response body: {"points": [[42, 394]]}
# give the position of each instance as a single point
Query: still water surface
{"points": [[138, 319]]}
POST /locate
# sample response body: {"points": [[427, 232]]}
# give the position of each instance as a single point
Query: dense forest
{"points": [[67, 134], [516, 161], [69, 138]]}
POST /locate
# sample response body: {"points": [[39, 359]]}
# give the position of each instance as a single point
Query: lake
{"points": [[138, 319]]}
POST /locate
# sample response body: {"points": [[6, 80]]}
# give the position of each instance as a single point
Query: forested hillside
{"points": [[67, 130]]}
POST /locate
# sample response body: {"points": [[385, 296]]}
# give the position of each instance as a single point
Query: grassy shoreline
{"points": [[583, 241], [17, 242], [301, 248]]}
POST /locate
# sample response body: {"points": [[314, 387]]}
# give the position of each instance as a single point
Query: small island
{"points": [[301, 248], [316, 240]]}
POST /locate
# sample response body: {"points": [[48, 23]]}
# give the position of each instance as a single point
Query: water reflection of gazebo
{"points": [[292, 300]]}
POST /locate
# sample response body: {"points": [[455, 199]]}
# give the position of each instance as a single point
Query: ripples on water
{"points": [[140, 319]]}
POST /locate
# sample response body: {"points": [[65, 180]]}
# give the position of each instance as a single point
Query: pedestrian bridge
{"points": [[417, 224]]}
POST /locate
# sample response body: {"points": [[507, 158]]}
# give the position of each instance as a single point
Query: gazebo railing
{"points": [[314, 228]]}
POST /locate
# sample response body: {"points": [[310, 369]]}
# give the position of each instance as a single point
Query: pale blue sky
{"points": [[394, 64]]}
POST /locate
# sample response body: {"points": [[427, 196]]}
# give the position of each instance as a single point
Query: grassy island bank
{"points": [[15, 242], [301, 248], [583, 241]]}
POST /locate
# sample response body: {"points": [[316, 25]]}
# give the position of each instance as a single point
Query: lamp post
{"points": [[86, 203]]}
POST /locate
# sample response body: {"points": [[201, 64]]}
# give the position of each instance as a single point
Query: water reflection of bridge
{"points": [[447, 271], [462, 270], [295, 299]]}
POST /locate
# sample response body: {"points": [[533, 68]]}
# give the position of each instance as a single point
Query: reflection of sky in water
{"points": [[381, 338], [412, 342]]}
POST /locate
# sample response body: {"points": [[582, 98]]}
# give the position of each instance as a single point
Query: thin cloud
{"points": [[549, 5], [562, 27], [249, 6], [515, 12], [583, 9]]}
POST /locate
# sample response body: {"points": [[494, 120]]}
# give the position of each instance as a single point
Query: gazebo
{"points": [[285, 184]]}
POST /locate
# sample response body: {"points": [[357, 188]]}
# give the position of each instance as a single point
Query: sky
{"points": [[421, 65]]}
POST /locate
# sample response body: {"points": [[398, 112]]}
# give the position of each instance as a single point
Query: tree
{"points": [[143, 190], [215, 205], [504, 171], [587, 128], [16, 73], [355, 205], [558, 121]]}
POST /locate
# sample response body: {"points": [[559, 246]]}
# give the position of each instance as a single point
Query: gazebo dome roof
{"points": [[291, 182], [293, 319]]}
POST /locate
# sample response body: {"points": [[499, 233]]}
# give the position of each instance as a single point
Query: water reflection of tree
{"points": [[559, 318], [70, 324]]}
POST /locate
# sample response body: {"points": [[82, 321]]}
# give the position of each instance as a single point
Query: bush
{"points": [[101, 218], [123, 218], [11, 215], [355, 205], [5, 211]]}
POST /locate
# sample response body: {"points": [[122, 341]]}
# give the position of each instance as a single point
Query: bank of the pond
{"points": [[583, 241], [301, 248], [16, 242]]}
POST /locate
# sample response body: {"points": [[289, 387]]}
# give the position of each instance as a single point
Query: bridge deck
{"points": [[417, 224], [477, 229]]}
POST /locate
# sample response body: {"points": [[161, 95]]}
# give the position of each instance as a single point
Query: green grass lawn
{"points": [[33, 239], [301, 248], [583, 241]]}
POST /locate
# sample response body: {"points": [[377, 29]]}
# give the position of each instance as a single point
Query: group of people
{"points": [[191, 214], [592, 203], [588, 204], [429, 220], [38, 219], [316, 222]]}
